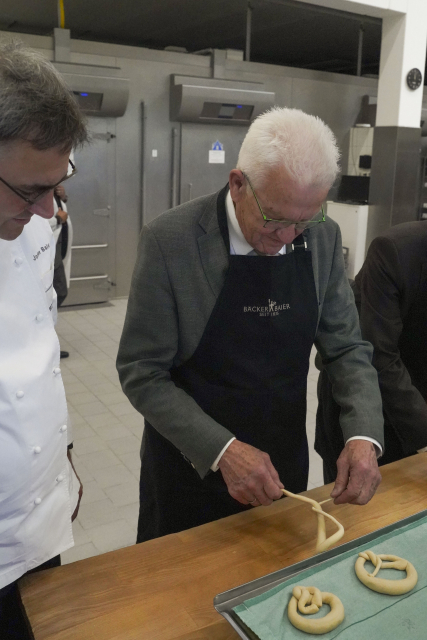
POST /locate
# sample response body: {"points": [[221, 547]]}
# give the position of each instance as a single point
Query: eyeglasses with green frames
{"points": [[284, 224]]}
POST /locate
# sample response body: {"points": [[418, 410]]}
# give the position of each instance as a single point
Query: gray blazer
{"points": [[179, 273]]}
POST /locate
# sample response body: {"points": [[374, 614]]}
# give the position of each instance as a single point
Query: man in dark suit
{"points": [[391, 295], [229, 293]]}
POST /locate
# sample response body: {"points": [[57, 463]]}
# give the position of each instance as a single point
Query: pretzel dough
{"points": [[381, 585], [323, 543], [308, 600]]}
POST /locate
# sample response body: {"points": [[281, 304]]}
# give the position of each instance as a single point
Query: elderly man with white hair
{"points": [[229, 294]]}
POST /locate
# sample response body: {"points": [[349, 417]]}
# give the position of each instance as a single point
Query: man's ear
{"points": [[237, 184]]}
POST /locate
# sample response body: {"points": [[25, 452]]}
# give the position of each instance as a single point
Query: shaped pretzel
{"points": [[323, 543], [382, 585], [309, 600]]}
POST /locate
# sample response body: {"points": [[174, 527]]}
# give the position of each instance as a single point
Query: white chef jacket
{"points": [[35, 476]]}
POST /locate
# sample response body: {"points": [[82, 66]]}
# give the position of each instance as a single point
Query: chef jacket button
{"points": [[39, 317], [60, 478], [20, 394], [56, 371], [18, 261], [37, 501], [63, 428], [37, 449]]}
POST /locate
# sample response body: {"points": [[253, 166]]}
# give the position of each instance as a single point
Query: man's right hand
{"points": [[250, 475]]}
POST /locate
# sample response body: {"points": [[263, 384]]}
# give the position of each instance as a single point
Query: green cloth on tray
{"points": [[367, 614]]}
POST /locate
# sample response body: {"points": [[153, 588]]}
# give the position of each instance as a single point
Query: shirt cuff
{"points": [[214, 466], [423, 450], [374, 442]]}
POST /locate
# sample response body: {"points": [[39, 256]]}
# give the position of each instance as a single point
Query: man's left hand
{"points": [[358, 475]]}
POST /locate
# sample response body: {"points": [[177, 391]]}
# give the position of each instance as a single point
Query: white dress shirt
{"points": [[36, 482], [240, 247]]}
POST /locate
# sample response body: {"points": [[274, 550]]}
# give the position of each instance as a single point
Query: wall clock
{"points": [[414, 79]]}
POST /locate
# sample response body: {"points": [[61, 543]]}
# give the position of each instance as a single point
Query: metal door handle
{"points": [[103, 277], [89, 246], [103, 136]]}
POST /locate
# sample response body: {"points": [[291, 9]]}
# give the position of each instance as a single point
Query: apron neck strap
{"points": [[222, 216], [58, 201], [299, 244]]}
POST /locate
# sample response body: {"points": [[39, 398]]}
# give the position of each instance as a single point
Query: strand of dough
{"points": [[308, 600], [323, 543], [382, 585]]}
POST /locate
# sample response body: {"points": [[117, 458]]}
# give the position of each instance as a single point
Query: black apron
{"points": [[249, 373]]}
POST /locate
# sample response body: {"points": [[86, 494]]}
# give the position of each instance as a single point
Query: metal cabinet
{"points": [[198, 175], [91, 206]]}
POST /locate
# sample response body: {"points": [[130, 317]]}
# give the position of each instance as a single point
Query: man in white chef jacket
{"points": [[39, 493]]}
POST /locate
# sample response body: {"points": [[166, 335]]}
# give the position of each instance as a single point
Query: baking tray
{"points": [[225, 602]]}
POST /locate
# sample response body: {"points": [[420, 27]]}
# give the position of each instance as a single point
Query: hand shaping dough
{"points": [[308, 600], [381, 585], [323, 543]]}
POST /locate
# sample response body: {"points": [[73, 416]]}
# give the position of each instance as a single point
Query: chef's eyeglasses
{"points": [[40, 193], [284, 224]]}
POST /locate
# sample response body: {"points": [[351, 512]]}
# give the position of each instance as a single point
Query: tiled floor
{"points": [[107, 430]]}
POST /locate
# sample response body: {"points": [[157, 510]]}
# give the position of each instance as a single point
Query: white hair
{"points": [[301, 144]]}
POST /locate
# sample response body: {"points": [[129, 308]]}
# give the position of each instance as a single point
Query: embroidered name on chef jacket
{"points": [[272, 309], [37, 255]]}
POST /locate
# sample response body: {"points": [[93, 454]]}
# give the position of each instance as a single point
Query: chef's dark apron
{"points": [[249, 373]]}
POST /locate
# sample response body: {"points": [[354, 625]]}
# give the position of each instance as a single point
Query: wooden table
{"points": [[164, 589]]}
